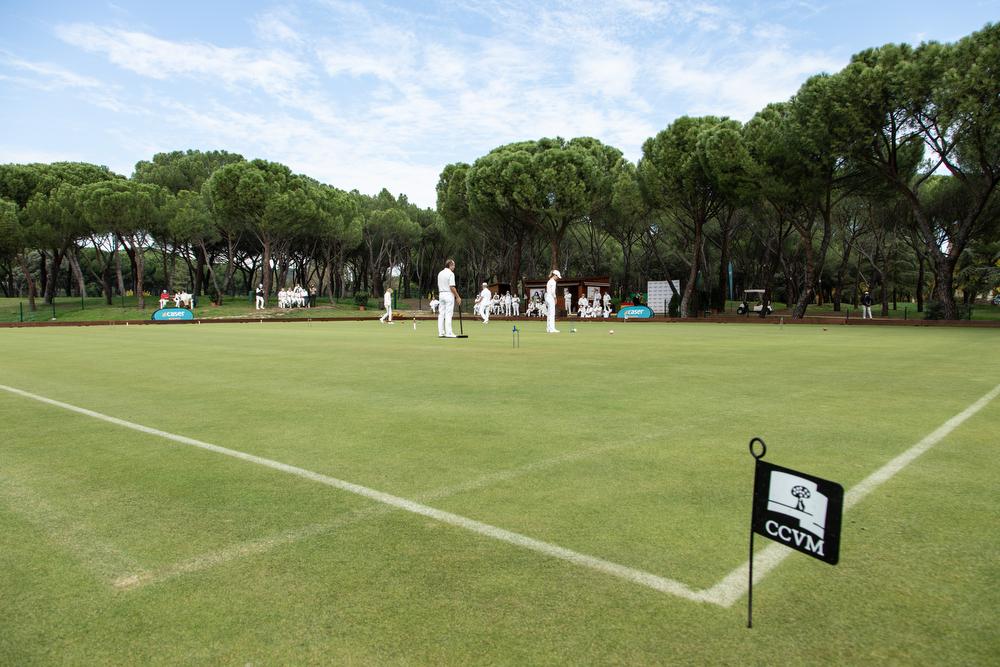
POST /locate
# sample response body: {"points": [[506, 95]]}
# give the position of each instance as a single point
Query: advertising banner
{"points": [[172, 314], [634, 313]]}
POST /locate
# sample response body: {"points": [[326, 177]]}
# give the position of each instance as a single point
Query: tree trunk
{"points": [[74, 264], [944, 290], [130, 252], [140, 268], [217, 295], [118, 269], [554, 252], [22, 260], [50, 284], [108, 287], [627, 267], [265, 269], [883, 273], [693, 272], [515, 275], [43, 271], [920, 284], [724, 255], [166, 268], [331, 286], [808, 285]]}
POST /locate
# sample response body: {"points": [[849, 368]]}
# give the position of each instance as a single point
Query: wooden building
{"points": [[590, 286]]}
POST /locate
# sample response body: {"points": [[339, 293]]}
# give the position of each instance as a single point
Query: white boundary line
{"points": [[266, 543], [653, 581], [66, 532], [734, 585], [724, 593]]}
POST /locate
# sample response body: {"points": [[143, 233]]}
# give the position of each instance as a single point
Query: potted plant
{"points": [[361, 299]]}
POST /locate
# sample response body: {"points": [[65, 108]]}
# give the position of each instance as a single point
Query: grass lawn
{"points": [[126, 547]]}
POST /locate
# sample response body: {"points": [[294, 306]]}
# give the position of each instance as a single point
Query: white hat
{"points": [[556, 273], [484, 284]]}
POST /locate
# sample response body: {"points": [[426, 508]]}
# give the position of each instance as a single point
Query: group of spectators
{"points": [[297, 297], [598, 306], [488, 303], [180, 299]]}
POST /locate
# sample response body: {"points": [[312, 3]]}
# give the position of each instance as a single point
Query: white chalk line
{"points": [[729, 589], [264, 544], [66, 532], [647, 579], [735, 585]]}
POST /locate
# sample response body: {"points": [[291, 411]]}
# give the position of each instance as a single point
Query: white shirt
{"points": [[486, 296], [446, 280], [550, 288], [607, 299], [387, 300]]}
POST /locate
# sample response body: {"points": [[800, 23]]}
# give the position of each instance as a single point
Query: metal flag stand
{"points": [[515, 337], [757, 457]]}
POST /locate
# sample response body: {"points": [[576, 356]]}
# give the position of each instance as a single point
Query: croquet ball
{"points": [[612, 332], [573, 330]]}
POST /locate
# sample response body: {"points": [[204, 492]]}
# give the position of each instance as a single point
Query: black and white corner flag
{"points": [[798, 510]]}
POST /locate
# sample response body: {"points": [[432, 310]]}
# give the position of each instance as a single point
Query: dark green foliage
{"points": [[674, 307], [936, 311]]}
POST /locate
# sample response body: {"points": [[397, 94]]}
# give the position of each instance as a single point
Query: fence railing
{"points": [[21, 312]]}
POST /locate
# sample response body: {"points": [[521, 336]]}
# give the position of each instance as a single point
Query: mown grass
{"points": [[629, 447]]}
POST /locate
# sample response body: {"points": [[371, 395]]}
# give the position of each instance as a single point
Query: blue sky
{"points": [[384, 94]]}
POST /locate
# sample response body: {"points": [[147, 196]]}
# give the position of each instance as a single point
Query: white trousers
{"points": [[446, 309], [260, 303], [388, 313], [550, 314], [485, 312], [866, 312]]}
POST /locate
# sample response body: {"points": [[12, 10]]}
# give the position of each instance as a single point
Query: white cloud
{"points": [[610, 73], [274, 71], [741, 85], [368, 96], [48, 76], [274, 26]]}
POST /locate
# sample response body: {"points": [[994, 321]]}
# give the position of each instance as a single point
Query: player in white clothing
{"points": [[485, 301], [387, 302], [449, 298], [550, 301]]}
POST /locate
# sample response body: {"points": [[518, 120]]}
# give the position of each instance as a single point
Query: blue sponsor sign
{"points": [[634, 312], [173, 314]]}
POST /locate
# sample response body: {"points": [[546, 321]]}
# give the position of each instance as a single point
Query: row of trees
{"points": [[888, 168], [226, 219], [880, 176]]}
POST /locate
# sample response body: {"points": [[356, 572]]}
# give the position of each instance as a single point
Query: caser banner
{"points": [[173, 314], [634, 313]]}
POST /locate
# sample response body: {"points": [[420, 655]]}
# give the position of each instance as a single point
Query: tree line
{"points": [[882, 176]]}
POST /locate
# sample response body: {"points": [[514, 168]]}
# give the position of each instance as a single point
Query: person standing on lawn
{"points": [[485, 301], [387, 302], [866, 306], [449, 298], [550, 301]]}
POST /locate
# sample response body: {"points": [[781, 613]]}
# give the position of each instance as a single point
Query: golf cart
{"points": [[753, 301]]}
